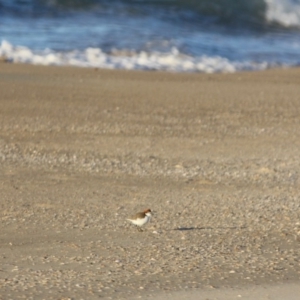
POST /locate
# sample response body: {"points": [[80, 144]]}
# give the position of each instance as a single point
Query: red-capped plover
{"points": [[141, 218]]}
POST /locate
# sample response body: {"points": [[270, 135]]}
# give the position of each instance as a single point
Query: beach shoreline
{"points": [[215, 156]]}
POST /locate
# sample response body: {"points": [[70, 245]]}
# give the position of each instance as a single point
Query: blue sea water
{"points": [[173, 35]]}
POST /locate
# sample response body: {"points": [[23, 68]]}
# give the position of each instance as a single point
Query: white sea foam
{"points": [[284, 12], [96, 58]]}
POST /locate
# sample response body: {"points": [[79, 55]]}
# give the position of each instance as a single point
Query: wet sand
{"points": [[216, 157]]}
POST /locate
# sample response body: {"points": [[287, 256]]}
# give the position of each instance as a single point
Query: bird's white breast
{"points": [[141, 222]]}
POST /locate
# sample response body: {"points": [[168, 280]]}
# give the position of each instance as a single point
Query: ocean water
{"points": [[173, 35]]}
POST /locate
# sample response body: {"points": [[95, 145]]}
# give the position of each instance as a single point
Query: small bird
{"points": [[141, 218]]}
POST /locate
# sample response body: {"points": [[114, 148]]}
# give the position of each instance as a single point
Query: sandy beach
{"points": [[215, 156]]}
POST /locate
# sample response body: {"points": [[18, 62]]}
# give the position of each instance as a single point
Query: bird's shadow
{"points": [[208, 228]]}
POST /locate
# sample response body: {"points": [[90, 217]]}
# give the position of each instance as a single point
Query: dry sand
{"points": [[216, 157]]}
